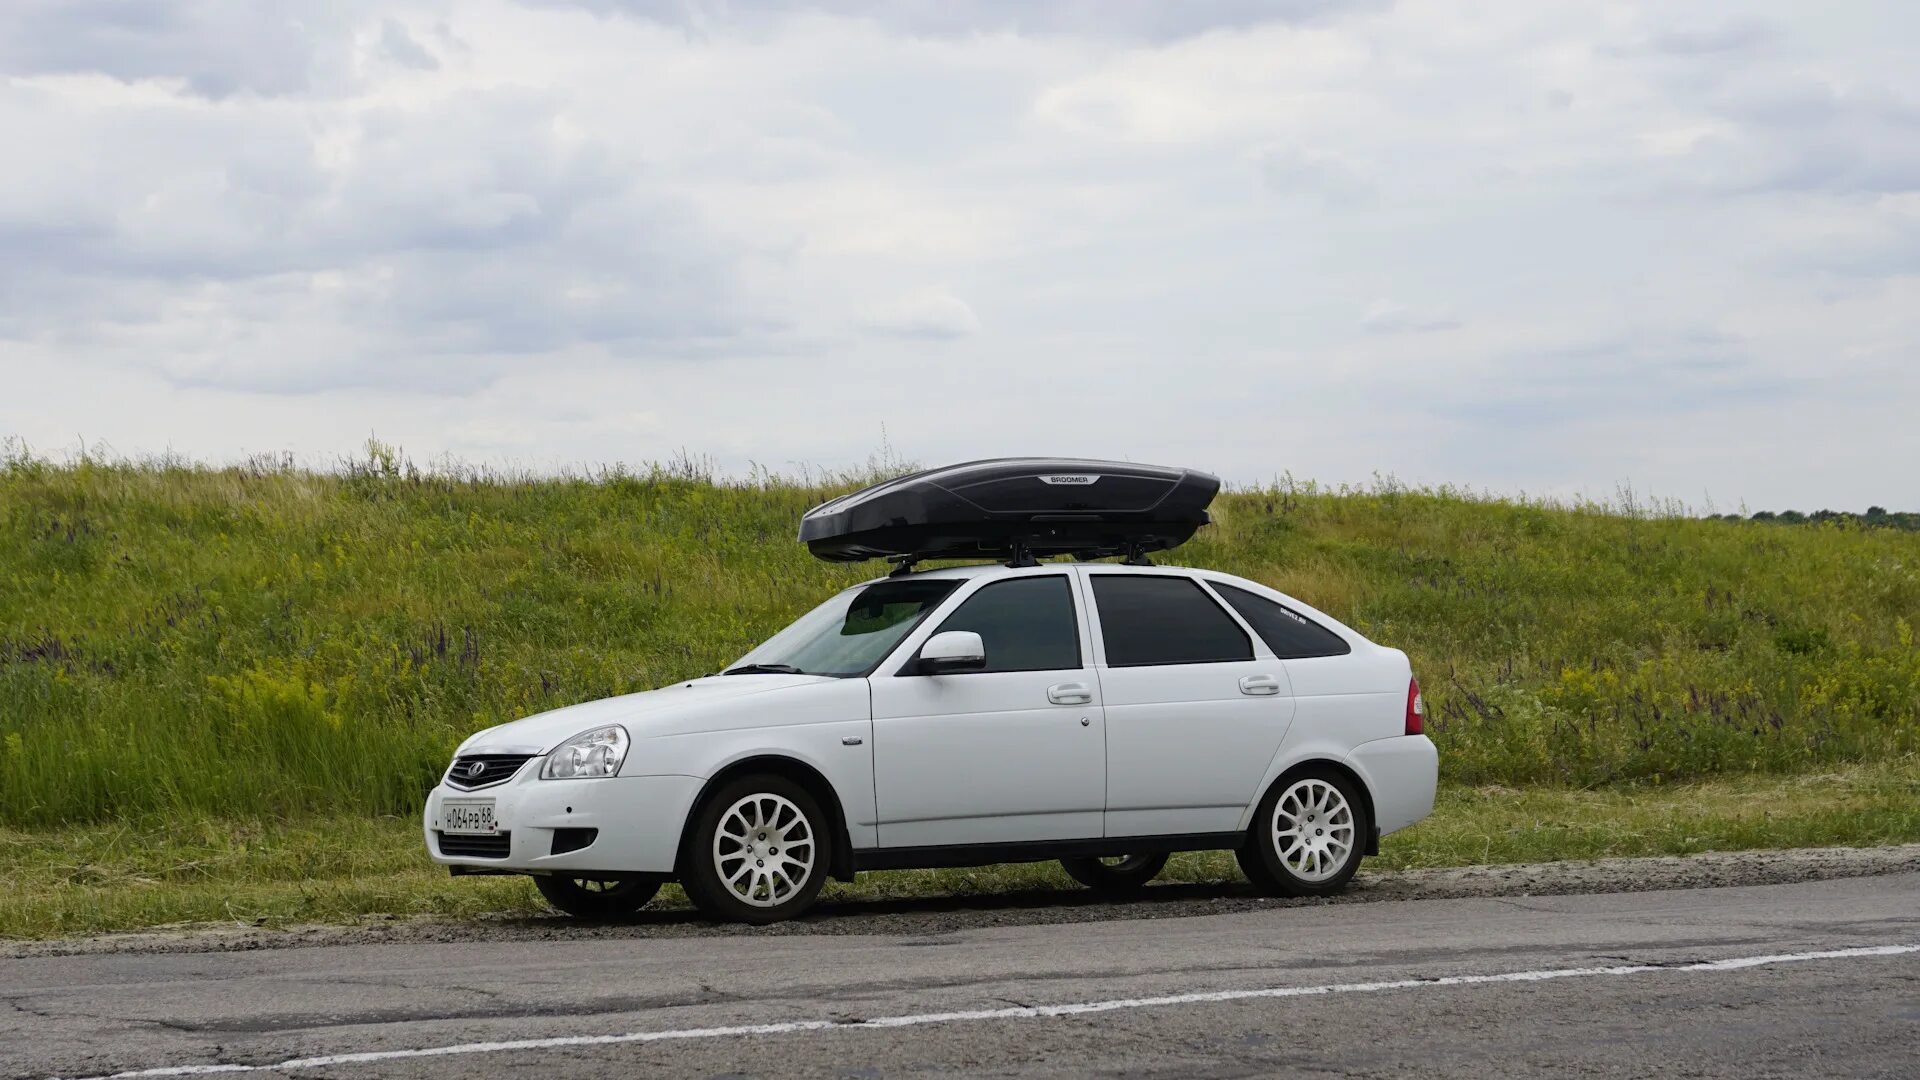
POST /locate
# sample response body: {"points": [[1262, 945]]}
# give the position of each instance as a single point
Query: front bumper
{"points": [[638, 821]]}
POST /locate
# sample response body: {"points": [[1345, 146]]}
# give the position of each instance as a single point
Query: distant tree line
{"points": [[1876, 517]]}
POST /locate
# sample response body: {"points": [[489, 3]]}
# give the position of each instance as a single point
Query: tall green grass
{"points": [[269, 640]]}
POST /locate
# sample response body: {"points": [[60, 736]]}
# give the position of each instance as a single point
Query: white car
{"points": [[1101, 714]]}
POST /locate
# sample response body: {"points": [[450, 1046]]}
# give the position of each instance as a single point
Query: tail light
{"points": [[1416, 709]]}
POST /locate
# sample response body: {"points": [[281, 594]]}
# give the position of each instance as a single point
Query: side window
{"points": [[1290, 635], [1149, 619], [1027, 624]]}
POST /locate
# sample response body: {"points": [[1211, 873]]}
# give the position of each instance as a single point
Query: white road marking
{"points": [[1016, 1012]]}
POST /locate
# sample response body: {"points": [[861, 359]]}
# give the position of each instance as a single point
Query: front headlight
{"points": [[591, 753]]}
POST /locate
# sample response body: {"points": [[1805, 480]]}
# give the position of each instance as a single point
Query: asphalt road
{"points": [[1696, 982]]}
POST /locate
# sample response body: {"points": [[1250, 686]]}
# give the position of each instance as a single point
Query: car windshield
{"points": [[850, 634]]}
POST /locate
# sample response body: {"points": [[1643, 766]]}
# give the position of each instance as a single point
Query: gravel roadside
{"points": [[939, 915]]}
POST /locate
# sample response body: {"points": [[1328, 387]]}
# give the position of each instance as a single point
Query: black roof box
{"points": [[1010, 507]]}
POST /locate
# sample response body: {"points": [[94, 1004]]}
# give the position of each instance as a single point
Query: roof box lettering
{"points": [[1005, 507]]}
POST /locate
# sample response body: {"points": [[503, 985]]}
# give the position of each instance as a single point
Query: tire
{"points": [[758, 852], [1122, 875], [596, 898], [1308, 836]]}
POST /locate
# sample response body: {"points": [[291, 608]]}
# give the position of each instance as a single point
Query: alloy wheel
{"points": [[763, 851], [1313, 830]]}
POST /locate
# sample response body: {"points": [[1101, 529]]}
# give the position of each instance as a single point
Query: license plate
{"points": [[468, 817]]}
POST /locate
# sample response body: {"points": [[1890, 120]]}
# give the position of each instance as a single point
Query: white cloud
{"points": [[401, 47], [212, 48], [1544, 246], [1154, 20], [1296, 171], [931, 314], [1386, 317]]}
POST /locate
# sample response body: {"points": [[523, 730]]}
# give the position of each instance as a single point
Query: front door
{"points": [[1011, 753]]}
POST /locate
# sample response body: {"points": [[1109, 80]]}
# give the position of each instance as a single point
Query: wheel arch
{"points": [[807, 776], [1338, 768]]}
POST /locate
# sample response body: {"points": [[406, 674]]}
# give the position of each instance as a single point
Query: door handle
{"points": [[1070, 693], [1259, 685]]}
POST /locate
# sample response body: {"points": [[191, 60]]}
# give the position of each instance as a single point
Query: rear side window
{"points": [[1027, 624], [1164, 620], [1291, 635]]}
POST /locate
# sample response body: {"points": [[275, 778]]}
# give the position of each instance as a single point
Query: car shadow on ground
{"points": [[929, 914], [1018, 899]]}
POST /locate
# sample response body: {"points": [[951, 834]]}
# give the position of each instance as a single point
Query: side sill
{"points": [[925, 858]]}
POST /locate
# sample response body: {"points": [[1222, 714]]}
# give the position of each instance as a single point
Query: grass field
{"points": [[192, 652]]}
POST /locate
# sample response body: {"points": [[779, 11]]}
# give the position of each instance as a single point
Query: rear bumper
{"points": [[638, 821], [1401, 774]]}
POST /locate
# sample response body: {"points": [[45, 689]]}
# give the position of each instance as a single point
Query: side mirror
{"points": [[952, 651]]}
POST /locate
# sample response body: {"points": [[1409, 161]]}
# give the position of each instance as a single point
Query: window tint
{"points": [[1164, 620], [1290, 635], [1027, 624]]}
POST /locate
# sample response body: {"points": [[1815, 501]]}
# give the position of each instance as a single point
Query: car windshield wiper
{"points": [[764, 669]]}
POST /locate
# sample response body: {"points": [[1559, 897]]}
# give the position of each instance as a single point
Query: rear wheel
{"points": [[1121, 874], [1306, 836], [596, 898], [758, 852]]}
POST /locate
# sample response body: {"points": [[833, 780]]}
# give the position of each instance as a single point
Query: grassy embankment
{"points": [[223, 692]]}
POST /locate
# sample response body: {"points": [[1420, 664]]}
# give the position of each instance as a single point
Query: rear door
{"points": [[1010, 754], [1195, 705], [1339, 697]]}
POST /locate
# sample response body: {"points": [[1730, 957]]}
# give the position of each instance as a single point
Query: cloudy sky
{"points": [[1531, 246]]}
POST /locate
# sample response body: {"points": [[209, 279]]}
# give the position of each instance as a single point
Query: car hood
{"points": [[689, 706]]}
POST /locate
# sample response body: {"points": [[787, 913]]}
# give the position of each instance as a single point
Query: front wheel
{"points": [[596, 898], [1124, 874], [758, 852], [1306, 836]]}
